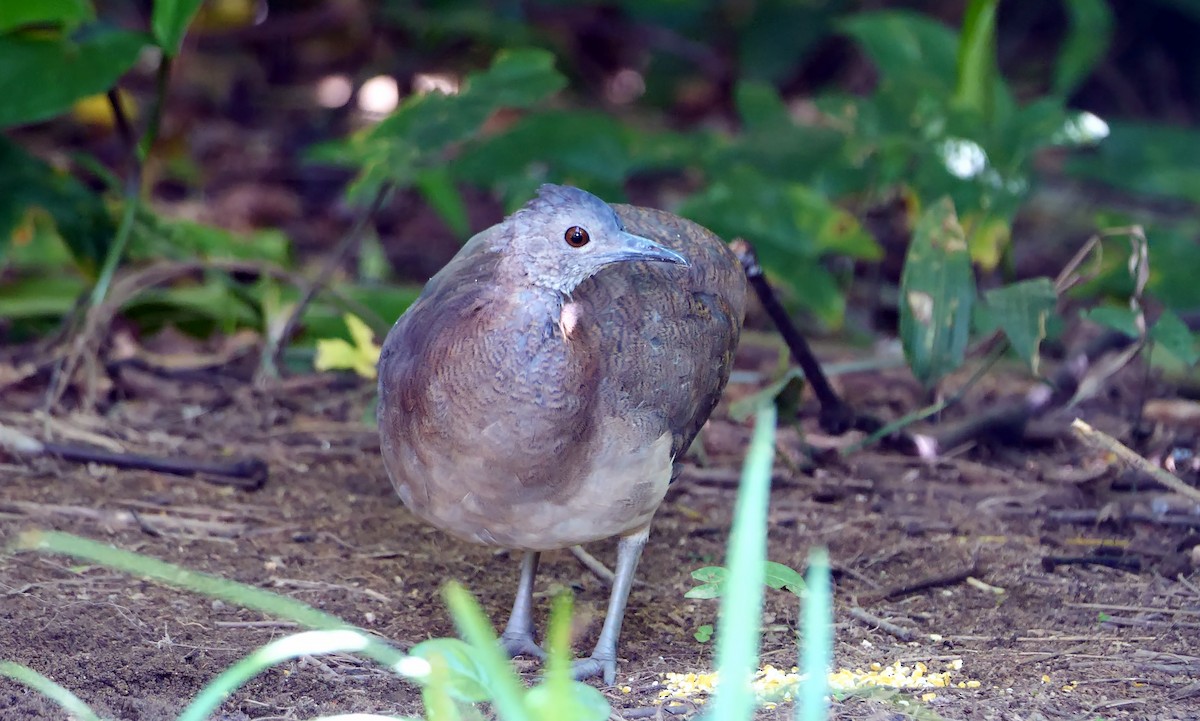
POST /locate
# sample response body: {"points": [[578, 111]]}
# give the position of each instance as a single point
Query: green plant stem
{"points": [[117, 249], [161, 85], [69, 702]]}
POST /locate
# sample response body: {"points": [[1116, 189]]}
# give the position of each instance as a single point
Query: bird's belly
{"points": [[616, 493]]}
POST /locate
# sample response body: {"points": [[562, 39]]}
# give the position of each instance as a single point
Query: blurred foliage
{"points": [[796, 173]]}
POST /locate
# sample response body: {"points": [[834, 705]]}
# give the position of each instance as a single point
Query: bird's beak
{"points": [[635, 247]]}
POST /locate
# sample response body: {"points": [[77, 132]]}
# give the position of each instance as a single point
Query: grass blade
{"points": [[69, 702], [817, 654], [741, 606]]}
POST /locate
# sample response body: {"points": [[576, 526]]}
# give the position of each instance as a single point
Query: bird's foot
{"points": [[605, 666], [521, 644]]}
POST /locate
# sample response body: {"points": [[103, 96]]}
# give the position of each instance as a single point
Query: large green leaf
{"points": [[907, 48], [591, 150], [65, 14], [937, 290], [1021, 311], [516, 79], [1172, 333], [418, 134], [41, 77], [170, 21]]}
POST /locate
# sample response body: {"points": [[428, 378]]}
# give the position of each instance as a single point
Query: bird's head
{"points": [[566, 235]]}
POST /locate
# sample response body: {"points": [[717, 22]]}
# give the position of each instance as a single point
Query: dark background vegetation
{"points": [[814, 129]]}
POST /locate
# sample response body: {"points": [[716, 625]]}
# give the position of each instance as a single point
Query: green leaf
{"points": [[1174, 336], [937, 290], [1086, 42], [787, 223], [170, 21], [1117, 318], [704, 633], [977, 57], [587, 149], [761, 108], [437, 188], [908, 49], [835, 230], [80, 216], [712, 582], [41, 77], [507, 694], [781, 577], [1021, 310], [468, 680], [39, 297], [516, 79], [418, 134], [190, 239], [65, 14], [740, 622]]}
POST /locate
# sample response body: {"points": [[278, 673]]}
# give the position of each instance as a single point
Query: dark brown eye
{"points": [[576, 237]]}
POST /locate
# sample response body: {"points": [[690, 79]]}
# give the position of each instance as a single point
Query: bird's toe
{"points": [[605, 667], [521, 644]]}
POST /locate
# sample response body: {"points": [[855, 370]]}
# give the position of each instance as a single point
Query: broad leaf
{"points": [[41, 77], [908, 49], [468, 680], [1174, 336], [1021, 310], [937, 290]]}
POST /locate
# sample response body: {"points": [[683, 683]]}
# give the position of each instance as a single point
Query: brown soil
{"points": [[1067, 642]]}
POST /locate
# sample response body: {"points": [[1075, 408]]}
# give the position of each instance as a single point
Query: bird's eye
{"points": [[576, 237]]}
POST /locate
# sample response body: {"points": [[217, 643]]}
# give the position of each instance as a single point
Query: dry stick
{"points": [[1133, 565], [836, 415], [1095, 516], [335, 259], [1103, 441], [871, 619], [950, 579], [248, 474], [1010, 419]]}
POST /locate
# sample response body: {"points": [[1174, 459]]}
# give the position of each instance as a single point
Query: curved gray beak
{"points": [[635, 247]]}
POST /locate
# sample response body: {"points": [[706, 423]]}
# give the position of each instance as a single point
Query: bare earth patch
{"points": [[954, 556]]}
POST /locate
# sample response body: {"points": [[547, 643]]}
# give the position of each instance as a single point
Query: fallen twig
{"points": [[248, 474], [1103, 441], [871, 619], [950, 579]]}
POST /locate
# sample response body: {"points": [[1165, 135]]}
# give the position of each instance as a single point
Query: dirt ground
{"points": [[956, 555]]}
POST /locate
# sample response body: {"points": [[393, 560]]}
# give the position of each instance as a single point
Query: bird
{"points": [[540, 391]]}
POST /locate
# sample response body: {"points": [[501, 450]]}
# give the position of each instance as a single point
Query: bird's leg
{"points": [[603, 660], [518, 638]]}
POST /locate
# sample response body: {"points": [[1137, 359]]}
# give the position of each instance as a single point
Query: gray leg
{"points": [[604, 657], [518, 638]]}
